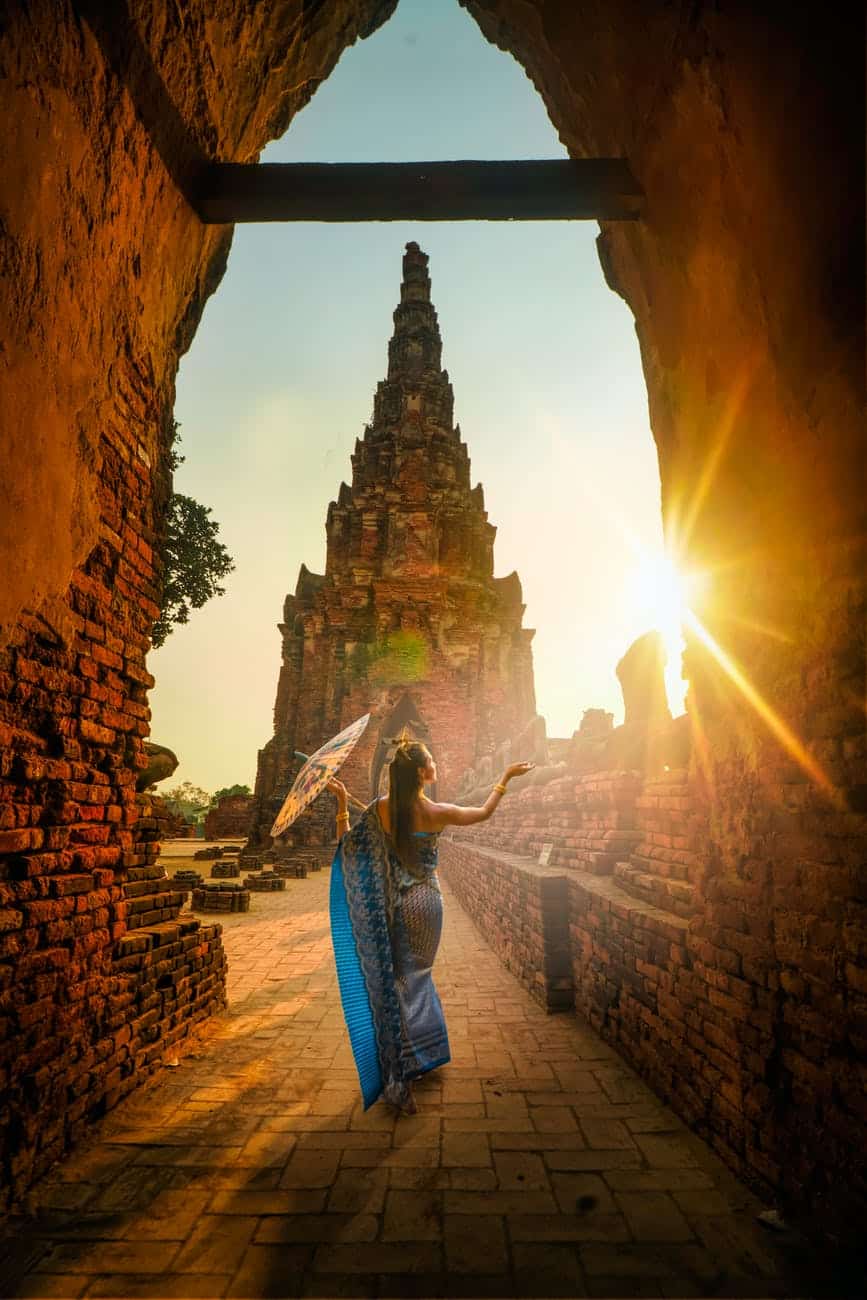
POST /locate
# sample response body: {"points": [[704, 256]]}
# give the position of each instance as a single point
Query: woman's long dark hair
{"points": [[410, 758]]}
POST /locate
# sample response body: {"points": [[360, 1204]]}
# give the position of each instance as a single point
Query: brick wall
{"points": [[230, 819], [589, 820], [521, 910], [726, 988], [97, 975]]}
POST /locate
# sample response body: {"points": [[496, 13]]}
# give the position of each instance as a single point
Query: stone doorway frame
{"points": [[220, 193]]}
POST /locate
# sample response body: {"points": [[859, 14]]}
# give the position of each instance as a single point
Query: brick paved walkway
{"points": [[538, 1164]]}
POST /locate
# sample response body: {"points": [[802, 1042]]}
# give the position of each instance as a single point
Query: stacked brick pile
{"points": [[187, 879], [253, 861], [225, 870], [291, 870], [266, 882], [284, 860], [223, 897]]}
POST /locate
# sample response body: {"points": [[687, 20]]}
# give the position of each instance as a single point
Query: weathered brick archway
{"points": [[745, 280]]}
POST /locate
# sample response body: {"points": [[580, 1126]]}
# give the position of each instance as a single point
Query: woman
{"points": [[386, 920]]}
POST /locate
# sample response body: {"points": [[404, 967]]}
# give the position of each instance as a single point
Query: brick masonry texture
{"points": [[97, 978], [521, 909], [230, 819]]}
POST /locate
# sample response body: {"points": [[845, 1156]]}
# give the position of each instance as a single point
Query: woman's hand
{"points": [[517, 769], [339, 789]]}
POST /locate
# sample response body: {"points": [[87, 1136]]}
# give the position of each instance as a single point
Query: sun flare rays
{"points": [[665, 591]]}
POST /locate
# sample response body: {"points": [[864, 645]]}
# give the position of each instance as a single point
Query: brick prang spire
{"points": [[408, 622], [410, 507]]}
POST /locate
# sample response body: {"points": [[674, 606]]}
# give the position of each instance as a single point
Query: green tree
{"points": [[229, 790], [194, 560], [187, 800]]}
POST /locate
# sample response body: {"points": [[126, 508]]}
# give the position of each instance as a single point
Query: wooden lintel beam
{"points": [[537, 190]]}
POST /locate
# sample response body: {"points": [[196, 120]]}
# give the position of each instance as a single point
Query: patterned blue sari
{"points": [[385, 928]]}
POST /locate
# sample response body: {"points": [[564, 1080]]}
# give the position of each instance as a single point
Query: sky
{"points": [[279, 382]]}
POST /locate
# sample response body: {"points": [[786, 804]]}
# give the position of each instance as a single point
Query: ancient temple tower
{"points": [[408, 621]]}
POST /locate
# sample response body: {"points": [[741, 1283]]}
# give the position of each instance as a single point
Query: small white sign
{"points": [[545, 854]]}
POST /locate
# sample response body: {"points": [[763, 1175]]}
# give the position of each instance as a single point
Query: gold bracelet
{"points": [[501, 788], [343, 817]]}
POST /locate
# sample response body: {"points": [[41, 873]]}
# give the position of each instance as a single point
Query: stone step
{"points": [[654, 866], [677, 896], [654, 849]]}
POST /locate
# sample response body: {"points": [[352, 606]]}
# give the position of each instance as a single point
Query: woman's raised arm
{"points": [[452, 814]]}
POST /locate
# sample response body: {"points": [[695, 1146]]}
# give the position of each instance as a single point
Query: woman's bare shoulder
{"points": [[382, 811], [436, 816]]}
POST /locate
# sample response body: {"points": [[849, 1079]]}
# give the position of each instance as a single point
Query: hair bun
{"points": [[404, 741]]}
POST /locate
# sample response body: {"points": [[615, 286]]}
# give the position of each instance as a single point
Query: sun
{"points": [[660, 596]]}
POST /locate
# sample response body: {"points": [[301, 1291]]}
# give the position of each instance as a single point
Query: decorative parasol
{"points": [[317, 772]]}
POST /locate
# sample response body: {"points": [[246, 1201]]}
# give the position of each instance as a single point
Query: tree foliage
{"points": [[229, 790], [194, 560], [187, 800]]}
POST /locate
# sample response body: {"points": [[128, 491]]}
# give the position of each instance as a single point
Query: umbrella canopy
{"points": [[317, 772]]}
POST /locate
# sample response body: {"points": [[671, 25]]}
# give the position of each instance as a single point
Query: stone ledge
{"points": [[677, 896], [514, 860], [609, 896]]}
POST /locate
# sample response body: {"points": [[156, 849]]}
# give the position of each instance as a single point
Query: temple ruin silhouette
{"points": [[408, 622]]}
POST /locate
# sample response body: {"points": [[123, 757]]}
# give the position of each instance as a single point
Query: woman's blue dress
{"points": [[385, 926]]}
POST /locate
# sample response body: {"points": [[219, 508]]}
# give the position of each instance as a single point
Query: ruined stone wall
{"points": [[666, 965], [230, 819], [106, 270], [520, 908], [588, 820], [744, 125]]}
